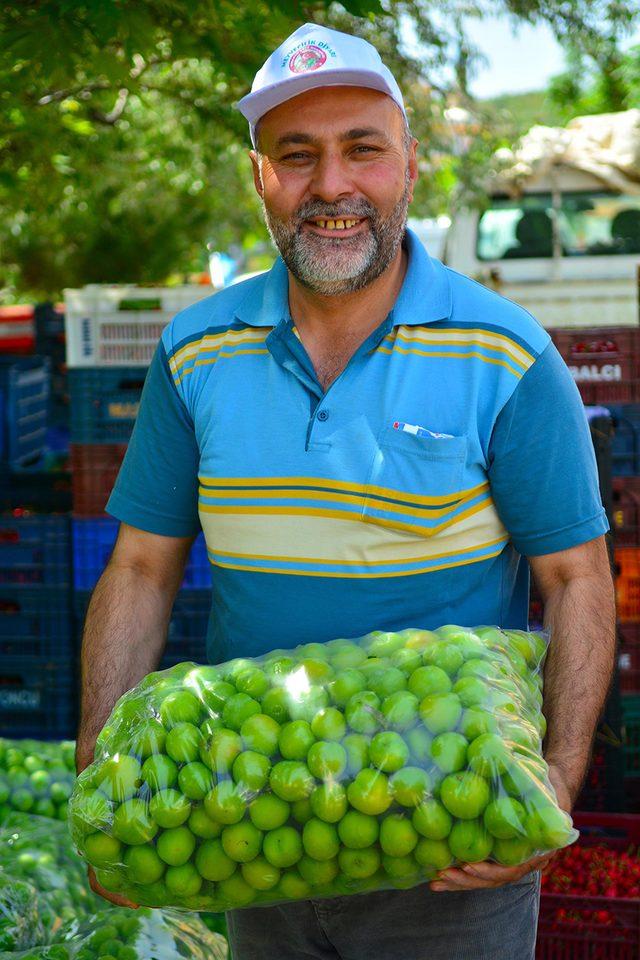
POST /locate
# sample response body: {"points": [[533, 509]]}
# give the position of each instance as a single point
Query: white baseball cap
{"points": [[315, 56]]}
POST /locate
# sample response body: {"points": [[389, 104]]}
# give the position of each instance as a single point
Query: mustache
{"points": [[354, 210]]}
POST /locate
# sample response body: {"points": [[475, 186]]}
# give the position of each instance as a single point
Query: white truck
{"points": [[560, 232]]}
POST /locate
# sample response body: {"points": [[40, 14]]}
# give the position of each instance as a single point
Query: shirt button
{"points": [[323, 415]]}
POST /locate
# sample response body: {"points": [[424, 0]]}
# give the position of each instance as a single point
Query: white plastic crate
{"points": [[102, 332]]}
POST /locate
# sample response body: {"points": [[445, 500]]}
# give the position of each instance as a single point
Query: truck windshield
{"points": [[590, 223]]}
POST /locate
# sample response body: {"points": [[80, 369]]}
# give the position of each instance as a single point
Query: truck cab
{"points": [[563, 242]]}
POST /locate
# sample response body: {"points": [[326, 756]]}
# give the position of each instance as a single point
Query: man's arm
{"points": [[126, 625], [577, 590]]}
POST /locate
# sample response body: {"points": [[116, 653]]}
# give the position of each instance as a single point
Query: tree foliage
{"points": [[121, 151]]}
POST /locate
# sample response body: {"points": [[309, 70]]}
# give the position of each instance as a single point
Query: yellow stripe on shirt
{"points": [[330, 484]]}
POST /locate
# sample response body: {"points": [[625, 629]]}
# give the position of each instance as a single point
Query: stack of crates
{"points": [[50, 342], [29, 391], [24, 405], [605, 364], [581, 926], [37, 686], [111, 335]]}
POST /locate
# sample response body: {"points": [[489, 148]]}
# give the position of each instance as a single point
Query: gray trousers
{"points": [[415, 924]]}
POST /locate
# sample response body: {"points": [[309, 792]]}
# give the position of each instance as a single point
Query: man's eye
{"points": [[365, 148], [296, 156]]}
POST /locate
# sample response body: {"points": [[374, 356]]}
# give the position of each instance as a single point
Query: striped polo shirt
{"points": [[409, 493]]}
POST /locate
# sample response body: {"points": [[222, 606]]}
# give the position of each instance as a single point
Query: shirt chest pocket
{"points": [[415, 482]]}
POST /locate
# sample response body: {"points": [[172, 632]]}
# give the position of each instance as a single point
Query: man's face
{"points": [[336, 176]]}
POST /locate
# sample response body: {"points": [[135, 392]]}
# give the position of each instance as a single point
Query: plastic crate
{"points": [[121, 325], [35, 491], [187, 636], [603, 789], [536, 607], [632, 795], [16, 329], [37, 698], [625, 449], [629, 658], [618, 830], [94, 468], [631, 720], [93, 541], [571, 927], [104, 403], [187, 633], [603, 362], [36, 623], [25, 384], [626, 511], [627, 568], [34, 551], [49, 327], [574, 343]]}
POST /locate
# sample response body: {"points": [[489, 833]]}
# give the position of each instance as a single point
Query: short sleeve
{"points": [[542, 467], [157, 487]]}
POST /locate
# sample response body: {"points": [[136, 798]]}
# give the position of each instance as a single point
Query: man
{"points": [[368, 440]]}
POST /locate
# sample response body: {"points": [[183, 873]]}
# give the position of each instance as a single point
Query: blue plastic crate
{"points": [[25, 384], [37, 698], [36, 623], [34, 551], [187, 634], [36, 490], [93, 541], [104, 403], [625, 448]]}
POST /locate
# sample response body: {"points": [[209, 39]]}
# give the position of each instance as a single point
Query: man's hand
{"points": [[107, 894], [477, 876]]}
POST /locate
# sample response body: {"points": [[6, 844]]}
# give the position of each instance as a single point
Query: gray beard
{"points": [[333, 267]]}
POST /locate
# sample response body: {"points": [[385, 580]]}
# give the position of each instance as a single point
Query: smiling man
{"points": [[369, 441]]}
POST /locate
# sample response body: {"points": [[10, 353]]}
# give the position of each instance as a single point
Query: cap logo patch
{"points": [[309, 58]]}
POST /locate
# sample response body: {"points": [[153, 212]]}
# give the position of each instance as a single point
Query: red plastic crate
{"points": [[17, 333], [592, 928], [617, 830], [94, 468], [580, 933], [629, 658], [626, 511], [603, 361], [627, 564], [577, 342]]}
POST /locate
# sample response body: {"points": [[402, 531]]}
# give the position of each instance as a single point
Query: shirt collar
{"points": [[425, 295]]}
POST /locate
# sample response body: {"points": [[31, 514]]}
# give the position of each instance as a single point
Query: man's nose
{"points": [[331, 179]]}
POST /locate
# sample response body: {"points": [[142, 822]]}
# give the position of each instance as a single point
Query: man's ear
{"points": [[257, 176], [413, 166]]}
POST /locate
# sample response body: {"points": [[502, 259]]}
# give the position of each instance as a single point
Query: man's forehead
{"points": [[345, 112]]}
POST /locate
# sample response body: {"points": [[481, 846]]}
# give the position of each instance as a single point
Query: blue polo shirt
{"points": [[453, 446]]}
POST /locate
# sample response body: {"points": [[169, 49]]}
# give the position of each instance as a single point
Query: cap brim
{"points": [[255, 105]]}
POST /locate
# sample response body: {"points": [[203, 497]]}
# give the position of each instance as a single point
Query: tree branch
{"points": [[114, 115], [57, 96]]}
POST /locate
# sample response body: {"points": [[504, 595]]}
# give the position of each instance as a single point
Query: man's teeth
{"points": [[336, 224]]}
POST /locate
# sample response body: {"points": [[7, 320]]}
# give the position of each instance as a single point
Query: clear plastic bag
{"points": [[324, 770], [121, 934], [40, 851], [36, 777], [20, 921]]}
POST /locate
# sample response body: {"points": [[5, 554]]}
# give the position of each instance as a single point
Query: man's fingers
{"points": [[475, 876]]}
